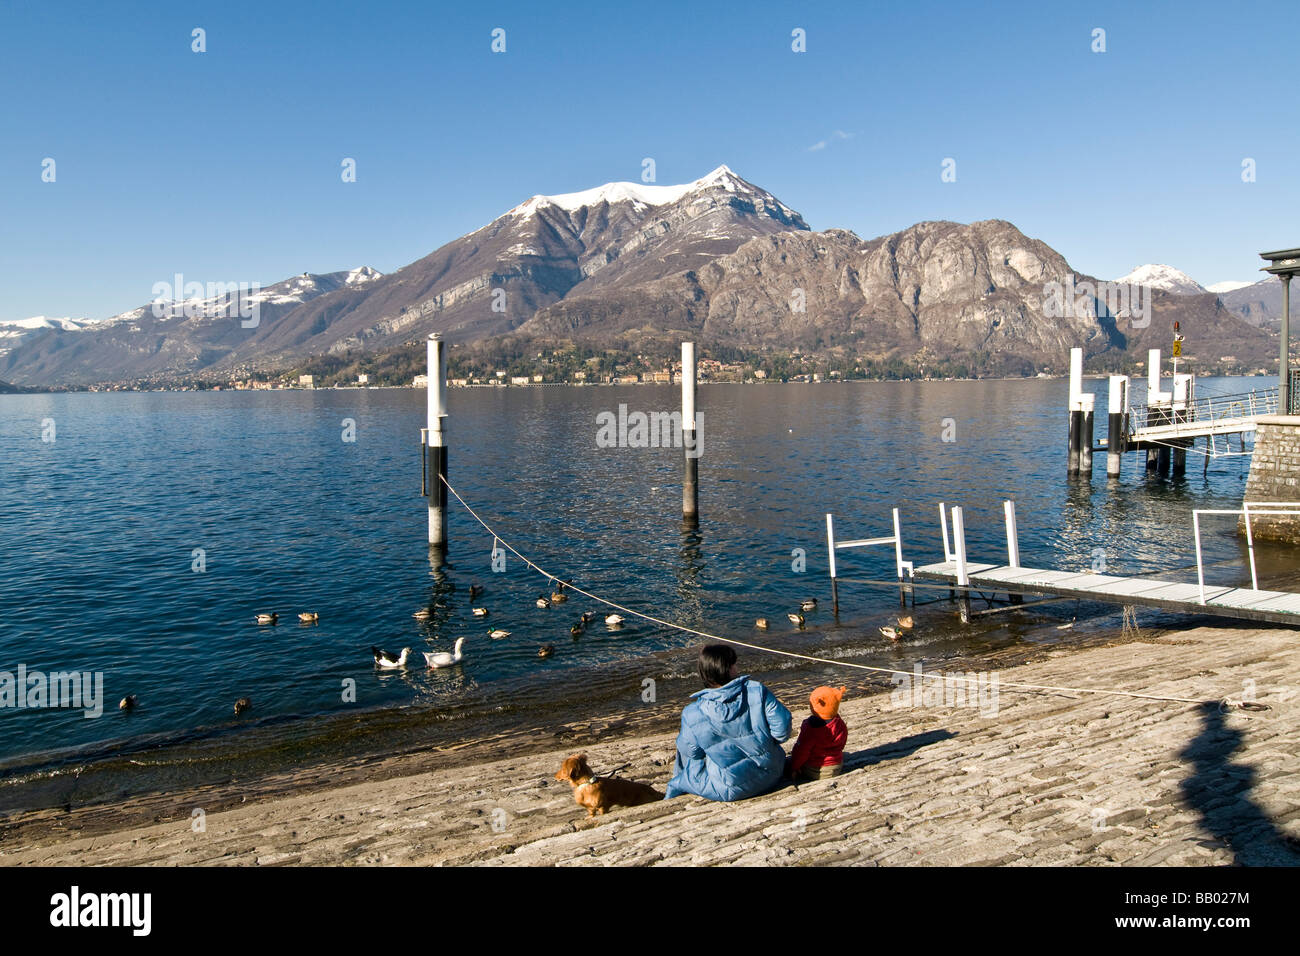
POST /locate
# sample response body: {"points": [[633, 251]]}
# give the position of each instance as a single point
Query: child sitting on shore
{"points": [[819, 752]]}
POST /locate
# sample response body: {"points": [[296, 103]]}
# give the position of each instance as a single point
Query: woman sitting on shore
{"points": [[729, 747]]}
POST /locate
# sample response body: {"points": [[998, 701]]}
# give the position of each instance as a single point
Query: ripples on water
{"points": [[99, 529]]}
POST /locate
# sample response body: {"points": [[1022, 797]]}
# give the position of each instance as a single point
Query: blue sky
{"points": [[225, 165]]}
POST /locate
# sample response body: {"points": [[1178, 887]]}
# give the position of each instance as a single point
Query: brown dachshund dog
{"points": [[598, 794]]}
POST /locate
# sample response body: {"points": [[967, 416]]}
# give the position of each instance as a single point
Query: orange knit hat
{"points": [[826, 701]]}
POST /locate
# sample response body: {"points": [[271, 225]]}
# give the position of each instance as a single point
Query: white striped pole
{"points": [[1116, 436], [691, 476], [437, 452], [1076, 410]]}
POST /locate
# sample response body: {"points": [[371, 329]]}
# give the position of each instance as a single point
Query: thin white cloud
{"points": [[839, 134]]}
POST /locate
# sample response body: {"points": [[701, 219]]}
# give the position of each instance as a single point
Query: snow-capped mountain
{"points": [[1165, 278], [717, 259], [1229, 286], [12, 333]]}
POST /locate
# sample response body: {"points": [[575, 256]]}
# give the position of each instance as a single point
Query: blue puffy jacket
{"points": [[729, 745]]}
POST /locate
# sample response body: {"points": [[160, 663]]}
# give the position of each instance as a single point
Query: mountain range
{"points": [[627, 265]]}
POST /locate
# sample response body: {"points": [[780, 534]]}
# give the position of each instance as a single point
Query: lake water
{"points": [[99, 530]]}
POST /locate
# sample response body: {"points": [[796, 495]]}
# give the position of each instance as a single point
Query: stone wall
{"points": [[1275, 476]]}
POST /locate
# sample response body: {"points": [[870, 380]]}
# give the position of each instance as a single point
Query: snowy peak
{"points": [[643, 194], [1230, 286], [1164, 278]]}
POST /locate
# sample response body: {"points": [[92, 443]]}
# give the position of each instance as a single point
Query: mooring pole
{"points": [[1116, 438], [1155, 415], [1076, 411], [1013, 544], [1086, 429], [436, 458], [959, 546], [1182, 405], [830, 555], [691, 477]]}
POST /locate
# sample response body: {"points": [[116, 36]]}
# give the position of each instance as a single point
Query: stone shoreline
{"points": [[1051, 779]]}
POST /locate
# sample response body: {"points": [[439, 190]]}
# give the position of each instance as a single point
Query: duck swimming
{"points": [[808, 605], [761, 624], [480, 612], [385, 659], [498, 634], [613, 620], [796, 619], [890, 632], [546, 651], [267, 618], [243, 704], [444, 659], [309, 617]]}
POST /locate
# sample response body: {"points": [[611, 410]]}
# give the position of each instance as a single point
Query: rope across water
{"points": [[807, 657]]}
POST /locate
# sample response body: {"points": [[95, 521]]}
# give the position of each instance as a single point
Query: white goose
{"points": [[385, 659], [613, 620], [444, 659]]}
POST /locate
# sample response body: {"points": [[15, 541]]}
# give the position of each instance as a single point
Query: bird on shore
{"points": [[480, 612], [796, 619], [385, 659], [543, 603], [243, 704], [498, 634], [267, 618], [906, 622], [761, 624], [475, 590], [309, 617], [444, 659], [128, 702], [547, 651], [808, 605], [890, 632], [613, 620]]}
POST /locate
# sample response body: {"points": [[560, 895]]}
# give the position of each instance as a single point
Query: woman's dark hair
{"points": [[716, 661]]}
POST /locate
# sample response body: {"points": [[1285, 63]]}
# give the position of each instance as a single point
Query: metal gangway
{"points": [[964, 576], [1200, 416]]}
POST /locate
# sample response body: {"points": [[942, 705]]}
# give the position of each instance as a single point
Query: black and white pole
{"points": [[690, 442], [1013, 543], [1076, 411], [1182, 406], [1116, 434], [1086, 430], [1157, 409], [436, 453]]}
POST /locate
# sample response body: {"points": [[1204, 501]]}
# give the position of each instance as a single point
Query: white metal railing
{"points": [[1262, 508], [896, 540], [1209, 408]]}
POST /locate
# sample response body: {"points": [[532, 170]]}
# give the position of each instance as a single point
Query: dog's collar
{"points": [[588, 782]]}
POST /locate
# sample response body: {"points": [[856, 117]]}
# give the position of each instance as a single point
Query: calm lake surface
{"points": [[99, 528]]}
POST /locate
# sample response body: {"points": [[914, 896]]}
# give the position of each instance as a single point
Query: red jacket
{"points": [[820, 744]]}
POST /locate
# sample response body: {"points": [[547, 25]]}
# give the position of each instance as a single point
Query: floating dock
{"points": [[1249, 604]]}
